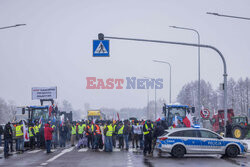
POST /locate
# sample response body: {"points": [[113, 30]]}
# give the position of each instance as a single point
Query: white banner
{"points": [[44, 93]]}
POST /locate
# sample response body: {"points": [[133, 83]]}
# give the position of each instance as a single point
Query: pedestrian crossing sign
{"points": [[100, 48]]}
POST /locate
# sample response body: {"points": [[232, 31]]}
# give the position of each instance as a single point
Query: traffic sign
{"points": [[205, 113], [100, 48]]}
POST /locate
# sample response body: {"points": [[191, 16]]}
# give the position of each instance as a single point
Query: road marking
{"points": [[43, 164], [116, 150], [83, 150], [34, 151], [60, 154]]}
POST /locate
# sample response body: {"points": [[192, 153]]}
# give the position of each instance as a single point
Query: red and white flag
{"points": [[25, 133]]}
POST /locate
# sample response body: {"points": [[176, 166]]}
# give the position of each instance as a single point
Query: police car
{"points": [[180, 141]]}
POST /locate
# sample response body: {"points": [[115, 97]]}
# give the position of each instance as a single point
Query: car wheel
{"points": [[178, 151], [238, 132], [232, 151]]}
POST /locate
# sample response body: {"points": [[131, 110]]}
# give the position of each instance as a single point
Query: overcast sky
{"points": [[55, 48]]}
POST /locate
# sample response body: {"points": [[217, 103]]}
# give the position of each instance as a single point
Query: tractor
{"points": [[240, 127]]}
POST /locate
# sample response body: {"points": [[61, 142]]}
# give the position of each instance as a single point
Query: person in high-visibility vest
{"points": [[73, 134], [114, 134], [88, 134], [37, 129], [147, 132], [108, 131], [120, 135], [80, 129], [19, 136], [32, 136], [97, 136]]}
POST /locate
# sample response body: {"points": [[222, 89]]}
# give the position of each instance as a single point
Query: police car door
{"points": [[211, 142], [191, 141]]}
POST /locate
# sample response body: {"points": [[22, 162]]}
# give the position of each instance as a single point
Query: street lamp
{"points": [[199, 62], [185, 44], [170, 81], [17, 25], [222, 15], [155, 97]]}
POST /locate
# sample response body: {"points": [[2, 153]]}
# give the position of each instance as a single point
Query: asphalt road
{"points": [[72, 157]]}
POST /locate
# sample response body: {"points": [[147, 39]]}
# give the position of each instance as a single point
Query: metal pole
{"points": [[194, 45], [170, 81], [199, 69], [222, 15], [148, 104], [155, 103], [12, 26]]}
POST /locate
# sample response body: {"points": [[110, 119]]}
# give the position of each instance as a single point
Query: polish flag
{"points": [[175, 121], [40, 120], [25, 133], [188, 120]]}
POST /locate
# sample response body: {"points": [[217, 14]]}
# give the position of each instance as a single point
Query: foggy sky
{"points": [[55, 48]]}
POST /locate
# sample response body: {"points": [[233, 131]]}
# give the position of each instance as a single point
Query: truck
{"points": [[95, 115], [180, 111]]}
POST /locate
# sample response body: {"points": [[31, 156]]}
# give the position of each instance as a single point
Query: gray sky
{"points": [[55, 48]]}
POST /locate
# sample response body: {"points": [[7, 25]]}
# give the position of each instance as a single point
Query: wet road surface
{"points": [[73, 157]]}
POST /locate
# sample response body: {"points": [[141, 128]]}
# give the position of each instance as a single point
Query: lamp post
{"points": [[155, 97], [101, 37], [199, 62], [170, 81], [230, 16], [17, 25]]}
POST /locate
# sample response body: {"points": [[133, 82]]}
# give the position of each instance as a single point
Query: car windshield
{"points": [[37, 113], [177, 111], [239, 120]]}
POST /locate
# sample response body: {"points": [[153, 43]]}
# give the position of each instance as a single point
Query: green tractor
{"points": [[240, 127]]}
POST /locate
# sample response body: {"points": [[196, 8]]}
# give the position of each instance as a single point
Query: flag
{"points": [[61, 120], [118, 116], [25, 133], [188, 120], [50, 110], [175, 121], [40, 120]]}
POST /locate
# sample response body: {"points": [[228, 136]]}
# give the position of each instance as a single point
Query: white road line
{"points": [[34, 151], [116, 150], [43, 164], [83, 150], [58, 155]]}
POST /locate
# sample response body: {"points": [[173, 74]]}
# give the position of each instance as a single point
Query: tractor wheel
{"points": [[238, 132]]}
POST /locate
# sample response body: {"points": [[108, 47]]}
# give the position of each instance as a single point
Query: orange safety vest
{"points": [[98, 131], [88, 130]]}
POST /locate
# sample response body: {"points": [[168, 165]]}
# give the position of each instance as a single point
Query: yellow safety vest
{"points": [[30, 132], [146, 126], [114, 128], [80, 128], [73, 132], [110, 130], [120, 131], [19, 130], [36, 129]]}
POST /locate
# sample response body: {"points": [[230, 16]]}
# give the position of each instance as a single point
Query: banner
{"points": [[44, 93]]}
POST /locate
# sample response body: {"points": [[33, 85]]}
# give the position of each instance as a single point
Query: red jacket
{"points": [[48, 132]]}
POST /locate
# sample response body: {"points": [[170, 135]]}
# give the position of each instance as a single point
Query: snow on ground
{"points": [[248, 143]]}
